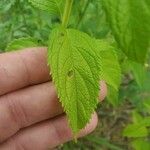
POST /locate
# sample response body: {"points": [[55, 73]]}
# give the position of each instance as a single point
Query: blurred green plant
{"points": [[139, 130]]}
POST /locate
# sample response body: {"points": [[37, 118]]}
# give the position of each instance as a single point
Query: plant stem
{"points": [[67, 11]]}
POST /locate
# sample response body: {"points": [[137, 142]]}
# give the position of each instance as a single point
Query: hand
{"points": [[31, 117]]}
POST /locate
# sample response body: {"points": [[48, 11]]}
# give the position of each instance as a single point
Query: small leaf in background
{"points": [[136, 117], [139, 126], [146, 122], [22, 43], [141, 144], [52, 6], [75, 71], [135, 130], [146, 104], [130, 24]]}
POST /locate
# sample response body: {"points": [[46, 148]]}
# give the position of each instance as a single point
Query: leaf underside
{"points": [[130, 24], [75, 71]]}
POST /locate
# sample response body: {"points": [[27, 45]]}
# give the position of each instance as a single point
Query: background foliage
{"points": [[124, 126]]}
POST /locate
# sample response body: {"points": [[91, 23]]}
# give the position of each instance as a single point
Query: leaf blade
{"points": [[75, 72], [130, 26]]}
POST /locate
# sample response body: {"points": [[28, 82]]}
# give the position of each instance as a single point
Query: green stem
{"points": [[67, 11]]}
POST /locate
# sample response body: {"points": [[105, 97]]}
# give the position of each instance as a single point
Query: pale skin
{"points": [[31, 117]]}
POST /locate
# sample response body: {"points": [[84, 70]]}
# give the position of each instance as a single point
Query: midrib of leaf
{"points": [[71, 56], [75, 72], [85, 59]]}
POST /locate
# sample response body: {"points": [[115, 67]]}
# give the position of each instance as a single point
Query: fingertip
{"points": [[90, 126]]}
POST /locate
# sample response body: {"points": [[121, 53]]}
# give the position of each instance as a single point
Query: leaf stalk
{"points": [[67, 12]]}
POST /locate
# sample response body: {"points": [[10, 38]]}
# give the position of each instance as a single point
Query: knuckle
{"points": [[26, 69], [4, 75]]}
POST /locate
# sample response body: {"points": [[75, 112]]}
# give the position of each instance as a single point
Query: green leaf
{"points": [[75, 72], [110, 68], [139, 72], [141, 144], [139, 126], [135, 130], [130, 24], [112, 96], [146, 122], [146, 104], [52, 6], [136, 117], [22, 43]]}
